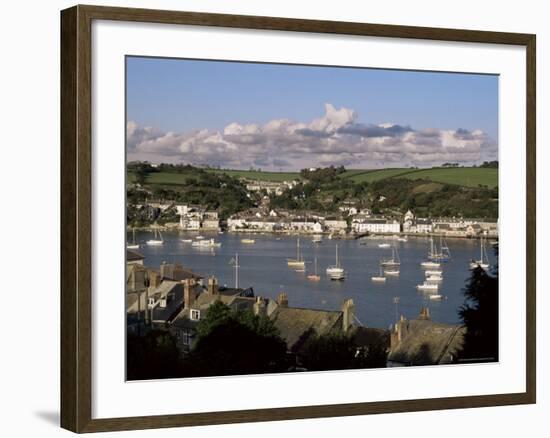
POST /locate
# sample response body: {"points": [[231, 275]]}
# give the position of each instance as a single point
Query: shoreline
{"points": [[335, 236]]}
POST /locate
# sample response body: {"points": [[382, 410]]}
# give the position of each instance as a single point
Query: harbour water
{"points": [[263, 266]]}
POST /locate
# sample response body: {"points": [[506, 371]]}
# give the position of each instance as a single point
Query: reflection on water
{"points": [[263, 266]]}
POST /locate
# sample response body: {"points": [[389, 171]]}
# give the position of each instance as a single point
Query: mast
{"points": [[236, 270], [337, 261]]}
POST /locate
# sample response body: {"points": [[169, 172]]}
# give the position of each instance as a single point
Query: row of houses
{"points": [[176, 299]]}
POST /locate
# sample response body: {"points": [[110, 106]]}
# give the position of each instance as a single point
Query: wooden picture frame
{"points": [[76, 218]]}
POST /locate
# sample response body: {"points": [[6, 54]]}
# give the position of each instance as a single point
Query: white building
{"points": [[376, 226]]}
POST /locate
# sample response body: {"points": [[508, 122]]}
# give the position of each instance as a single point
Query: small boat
{"points": [[393, 261], [157, 241], [335, 269], [402, 239], [429, 272], [187, 240], [384, 245], [250, 241], [391, 272], [210, 243], [199, 237], [298, 262], [428, 287], [430, 265], [316, 276], [338, 275], [436, 297], [483, 262], [443, 254], [378, 278], [133, 245], [434, 279]]}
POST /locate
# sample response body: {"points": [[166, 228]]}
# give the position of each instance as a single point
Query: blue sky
{"points": [[186, 96]]}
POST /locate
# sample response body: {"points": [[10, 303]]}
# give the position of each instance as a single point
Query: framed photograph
{"points": [[269, 218]]}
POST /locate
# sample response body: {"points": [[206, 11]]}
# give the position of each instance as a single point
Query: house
{"points": [[297, 324], [473, 230], [369, 225], [424, 342], [336, 225]]}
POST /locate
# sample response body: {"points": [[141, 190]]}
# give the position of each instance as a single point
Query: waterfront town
{"points": [[174, 299], [349, 221], [291, 218]]}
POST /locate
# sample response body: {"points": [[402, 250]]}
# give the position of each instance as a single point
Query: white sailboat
{"points": [[436, 297], [483, 261], [393, 261], [157, 240], [428, 287], [391, 272], [441, 254], [379, 278], [133, 245], [210, 243], [336, 271], [429, 264], [384, 245], [298, 262]]}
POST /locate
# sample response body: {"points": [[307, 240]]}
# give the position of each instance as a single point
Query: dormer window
{"points": [[195, 315], [162, 303]]}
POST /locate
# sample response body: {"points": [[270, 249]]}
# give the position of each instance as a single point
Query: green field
{"points": [[257, 175], [463, 176], [374, 174]]}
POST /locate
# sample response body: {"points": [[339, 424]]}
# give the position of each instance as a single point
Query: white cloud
{"points": [[336, 138]]}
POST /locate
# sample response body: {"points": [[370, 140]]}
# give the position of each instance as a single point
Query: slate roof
{"points": [[133, 256], [428, 343], [293, 322]]}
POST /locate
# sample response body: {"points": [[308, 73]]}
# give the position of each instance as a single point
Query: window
{"points": [[195, 315], [162, 303], [151, 302]]}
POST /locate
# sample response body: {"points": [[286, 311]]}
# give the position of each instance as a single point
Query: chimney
{"points": [[424, 314], [189, 293], [348, 309], [212, 286], [399, 332], [154, 279], [259, 307], [282, 299]]}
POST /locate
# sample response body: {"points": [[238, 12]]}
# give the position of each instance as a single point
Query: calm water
{"points": [[263, 266]]}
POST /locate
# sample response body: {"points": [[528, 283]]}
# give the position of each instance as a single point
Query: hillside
{"points": [[461, 176]]}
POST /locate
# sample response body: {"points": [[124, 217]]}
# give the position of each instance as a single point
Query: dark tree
{"points": [[235, 342], [339, 352], [480, 316], [153, 356]]}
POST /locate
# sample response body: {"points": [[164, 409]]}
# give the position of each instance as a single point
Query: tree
{"points": [[153, 356], [233, 342], [338, 352], [480, 316]]}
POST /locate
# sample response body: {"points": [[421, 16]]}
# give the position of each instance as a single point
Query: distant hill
{"points": [[462, 176]]}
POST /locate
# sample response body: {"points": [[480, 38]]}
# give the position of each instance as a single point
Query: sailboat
{"points": [[336, 272], [441, 255], [158, 240], [430, 263], [298, 262], [483, 261], [316, 276], [428, 287], [379, 278], [394, 261], [133, 245]]}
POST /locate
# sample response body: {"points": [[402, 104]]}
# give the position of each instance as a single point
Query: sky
{"points": [[286, 117]]}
